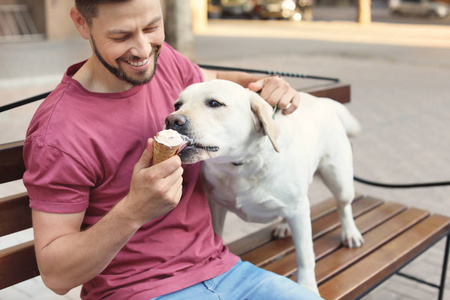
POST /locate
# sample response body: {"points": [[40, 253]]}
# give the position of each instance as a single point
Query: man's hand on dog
{"points": [[277, 92]]}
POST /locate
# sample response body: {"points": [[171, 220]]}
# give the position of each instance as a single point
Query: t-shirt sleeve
{"points": [[55, 182], [188, 72], [194, 74]]}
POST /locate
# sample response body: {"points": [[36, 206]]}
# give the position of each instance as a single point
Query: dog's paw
{"points": [[282, 231], [352, 240]]}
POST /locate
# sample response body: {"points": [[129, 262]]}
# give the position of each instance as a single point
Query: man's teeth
{"points": [[138, 64]]}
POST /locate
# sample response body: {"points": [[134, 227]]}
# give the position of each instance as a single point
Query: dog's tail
{"points": [[351, 125]]}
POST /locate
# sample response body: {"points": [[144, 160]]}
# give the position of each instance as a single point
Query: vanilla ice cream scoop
{"points": [[167, 143], [169, 137]]}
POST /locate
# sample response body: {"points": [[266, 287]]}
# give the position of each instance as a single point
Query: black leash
{"points": [[402, 186], [23, 102]]}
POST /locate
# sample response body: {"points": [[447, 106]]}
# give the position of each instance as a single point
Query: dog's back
{"points": [[351, 125], [325, 107]]}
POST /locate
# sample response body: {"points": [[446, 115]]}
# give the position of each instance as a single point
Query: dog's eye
{"points": [[214, 103], [177, 105]]}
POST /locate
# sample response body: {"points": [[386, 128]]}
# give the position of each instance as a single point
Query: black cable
{"points": [[401, 186], [23, 102], [286, 74]]}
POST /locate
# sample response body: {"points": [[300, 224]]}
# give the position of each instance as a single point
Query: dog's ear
{"points": [[264, 113]]}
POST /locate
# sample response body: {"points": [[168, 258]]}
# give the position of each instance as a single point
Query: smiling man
{"points": [[103, 216]]}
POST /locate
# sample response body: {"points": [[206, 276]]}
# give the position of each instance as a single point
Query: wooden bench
{"points": [[394, 235]]}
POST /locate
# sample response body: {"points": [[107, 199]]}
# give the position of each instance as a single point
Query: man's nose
{"points": [[141, 47], [176, 121]]}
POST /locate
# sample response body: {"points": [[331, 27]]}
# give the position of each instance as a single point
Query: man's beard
{"points": [[120, 73]]}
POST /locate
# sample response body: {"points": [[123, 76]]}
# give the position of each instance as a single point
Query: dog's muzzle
{"points": [[179, 123]]}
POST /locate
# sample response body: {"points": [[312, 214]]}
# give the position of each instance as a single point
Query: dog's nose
{"points": [[175, 121]]}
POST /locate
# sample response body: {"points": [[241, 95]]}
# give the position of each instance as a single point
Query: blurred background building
{"points": [[22, 20], [27, 20]]}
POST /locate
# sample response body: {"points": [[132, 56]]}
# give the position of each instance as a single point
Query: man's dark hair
{"points": [[89, 8]]}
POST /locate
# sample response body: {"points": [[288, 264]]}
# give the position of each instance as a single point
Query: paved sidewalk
{"points": [[400, 93]]}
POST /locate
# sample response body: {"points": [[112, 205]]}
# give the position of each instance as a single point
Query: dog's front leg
{"points": [[218, 214], [300, 225]]}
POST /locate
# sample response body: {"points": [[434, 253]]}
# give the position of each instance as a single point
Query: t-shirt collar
{"points": [[74, 68]]}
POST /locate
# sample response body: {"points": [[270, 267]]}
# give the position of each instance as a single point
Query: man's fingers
{"points": [[277, 92], [277, 97], [174, 176], [168, 166], [294, 105], [257, 85], [146, 157], [291, 97]]}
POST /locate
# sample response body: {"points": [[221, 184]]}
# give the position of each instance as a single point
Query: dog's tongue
{"points": [[172, 138], [186, 141]]}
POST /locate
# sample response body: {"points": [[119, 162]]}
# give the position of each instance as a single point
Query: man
{"points": [[103, 216]]}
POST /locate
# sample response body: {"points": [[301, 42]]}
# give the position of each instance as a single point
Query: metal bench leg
{"points": [[444, 269], [440, 287]]}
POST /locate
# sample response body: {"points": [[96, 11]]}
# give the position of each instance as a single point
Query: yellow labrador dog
{"points": [[260, 167]]}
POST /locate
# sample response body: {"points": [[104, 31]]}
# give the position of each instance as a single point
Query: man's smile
{"points": [[138, 63]]}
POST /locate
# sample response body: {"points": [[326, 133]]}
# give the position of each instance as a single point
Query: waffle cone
{"points": [[162, 152]]}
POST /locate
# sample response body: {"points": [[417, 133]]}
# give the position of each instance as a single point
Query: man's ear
{"points": [[263, 112], [80, 23]]}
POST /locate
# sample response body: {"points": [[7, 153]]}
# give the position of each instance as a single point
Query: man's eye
{"points": [[150, 29], [214, 103], [120, 39]]}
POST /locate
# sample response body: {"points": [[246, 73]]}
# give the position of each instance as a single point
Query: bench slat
{"points": [[11, 162], [332, 221], [15, 214], [340, 259], [279, 247], [386, 260], [332, 240], [17, 264], [264, 235], [287, 265]]}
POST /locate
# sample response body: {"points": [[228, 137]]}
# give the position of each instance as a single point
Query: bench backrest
{"points": [[18, 263]]}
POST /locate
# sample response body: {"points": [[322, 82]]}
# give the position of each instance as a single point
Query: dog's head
{"points": [[224, 120]]}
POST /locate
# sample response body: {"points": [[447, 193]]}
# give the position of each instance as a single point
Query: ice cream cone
{"points": [[166, 145], [162, 152]]}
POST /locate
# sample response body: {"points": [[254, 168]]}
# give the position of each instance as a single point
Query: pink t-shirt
{"points": [[80, 151]]}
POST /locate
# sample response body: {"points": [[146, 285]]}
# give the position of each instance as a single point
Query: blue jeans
{"points": [[244, 281]]}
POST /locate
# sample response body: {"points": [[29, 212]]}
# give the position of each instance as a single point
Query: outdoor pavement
{"points": [[399, 75]]}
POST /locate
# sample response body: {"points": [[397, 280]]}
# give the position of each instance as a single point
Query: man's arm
{"points": [[275, 90], [68, 257]]}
